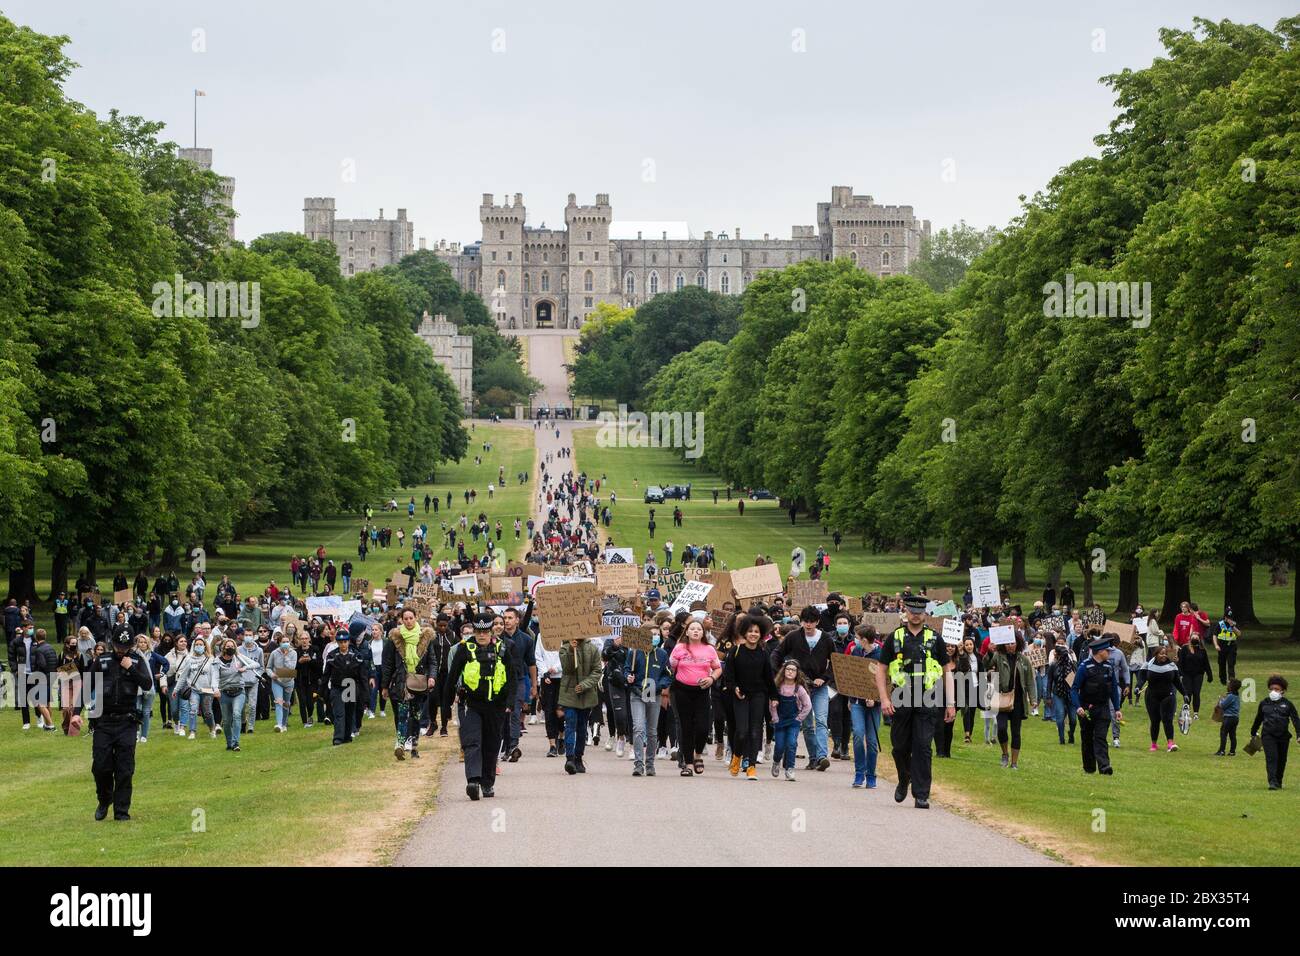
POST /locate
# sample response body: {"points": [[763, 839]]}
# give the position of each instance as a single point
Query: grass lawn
{"points": [[279, 800], [1188, 808]]}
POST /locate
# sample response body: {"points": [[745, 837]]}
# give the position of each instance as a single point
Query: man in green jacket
{"points": [[580, 671]]}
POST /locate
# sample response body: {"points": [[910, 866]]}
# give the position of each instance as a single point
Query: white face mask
{"points": [[1275, 695]]}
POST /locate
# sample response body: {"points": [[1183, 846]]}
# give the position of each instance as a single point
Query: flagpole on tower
{"points": [[197, 94]]}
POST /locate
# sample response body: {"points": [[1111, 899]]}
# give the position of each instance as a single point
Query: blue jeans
{"points": [[1041, 681], [575, 732], [185, 716], [1060, 708], [232, 712], [786, 737], [146, 711], [282, 695], [866, 730], [347, 584], [814, 725]]}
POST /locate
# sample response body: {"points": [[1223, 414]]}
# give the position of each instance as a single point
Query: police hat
{"points": [[122, 636], [1100, 643], [916, 602], [483, 623]]}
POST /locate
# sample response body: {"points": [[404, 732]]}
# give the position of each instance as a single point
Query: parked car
{"points": [[543, 411], [761, 494], [654, 495]]}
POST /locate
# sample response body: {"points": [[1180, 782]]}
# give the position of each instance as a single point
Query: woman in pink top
{"points": [[695, 666]]}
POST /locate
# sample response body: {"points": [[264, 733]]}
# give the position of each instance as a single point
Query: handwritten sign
{"points": [[853, 605], [1002, 634], [761, 580], [855, 676], [1037, 656], [885, 622], [429, 591], [721, 593], [615, 621], [1128, 634], [719, 618], [638, 638], [465, 584], [122, 597], [691, 592], [670, 584], [804, 593], [623, 579], [568, 612], [984, 588], [953, 630]]}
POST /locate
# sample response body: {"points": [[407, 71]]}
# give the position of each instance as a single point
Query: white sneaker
{"points": [[144, 740], [192, 735], [1115, 742], [1033, 712], [279, 729], [409, 746], [27, 726], [532, 719], [383, 713], [758, 758], [370, 715], [609, 744], [212, 734], [620, 748], [663, 752]]}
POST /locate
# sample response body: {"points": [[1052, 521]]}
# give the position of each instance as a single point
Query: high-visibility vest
{"points": [[933, 669], [472, 673]]}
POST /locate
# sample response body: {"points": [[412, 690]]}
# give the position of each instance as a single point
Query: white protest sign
{"points": [[953, 630], [1140, 625], [984, 586], [1002, 634], [325, 606], [691, 592], [464, 584], [619, 556]]}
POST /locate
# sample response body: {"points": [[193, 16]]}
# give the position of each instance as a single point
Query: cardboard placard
{"points": [[290, 617], [984, 588], [939, 595], [719, 618], [360, 585], [568, 612], [803, 593], [534, 570], [1128, 634], [885, 622], [122, 597], [638, 638], [935, 623], [761, 580], [398, 582], [428, 591], [390, 595], [1037, 656], [691, 593], [669, 584], [465, 585], [622, 579], [853, 605], [855, 676]]}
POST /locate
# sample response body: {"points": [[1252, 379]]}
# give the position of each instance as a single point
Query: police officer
{"points": [[920, 680], [123, 674], [1094, 694], [483, 674], [343, 678]]}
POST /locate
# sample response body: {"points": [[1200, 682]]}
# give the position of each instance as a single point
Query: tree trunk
{"points": [[1019, 580], [1277, 576], [59, 564], [944, 558], [920, 548], [92, 566], [1128, 590], [988, 557], [210, 547], [1239, 589], [1178, 588], [1294, 636], [1054, 576], [1085, 568], [22, 576], [963, 561]]}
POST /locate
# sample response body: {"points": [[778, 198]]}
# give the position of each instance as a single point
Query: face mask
{"points": [[284, 645], [841, 629], [1275, 695], [198, 649], [227, 654], [655, 641], [175, 603]]}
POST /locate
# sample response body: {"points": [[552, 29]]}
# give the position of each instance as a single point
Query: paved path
{"points": [[546, 364], [542, 816]]}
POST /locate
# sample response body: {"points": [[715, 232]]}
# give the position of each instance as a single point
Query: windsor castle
{"points": [[535, 279]]}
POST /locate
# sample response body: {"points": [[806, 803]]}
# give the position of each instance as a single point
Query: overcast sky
{"points": [[704, 112]]}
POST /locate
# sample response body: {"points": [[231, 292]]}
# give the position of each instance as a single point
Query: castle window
{"points": [[473, 282], [680, 282], [510, 257], [884, 260], [501, 233], [349, 235], [853, 257], [564, 282], [587, 302], [725, 284], [546, 282], [654, 258], [546, 257], [853, 238], [589, 235], [494, 256], [679, 258], [587, 280], [724, 258], [654, 283], [699, 279], [749, 277], [884, 241], [372, 252], [597, 256], [350, 268], [352, 253], [630, 283], [580, 256], [501, 278], [525, 255], [528, 282]]}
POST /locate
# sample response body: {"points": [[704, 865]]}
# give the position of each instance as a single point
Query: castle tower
{"points": [[502, 258], [590, 269], [318, 218]]}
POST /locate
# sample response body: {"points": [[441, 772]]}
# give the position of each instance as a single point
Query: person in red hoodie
{"points": [[1184, 625]]}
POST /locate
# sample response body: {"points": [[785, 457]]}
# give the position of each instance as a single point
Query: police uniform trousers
{"points": [[341, 716], [1094, 725], [113, 760], [911, 734], [480, 737]]}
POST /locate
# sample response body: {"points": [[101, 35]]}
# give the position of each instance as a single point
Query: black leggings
{"points": [[1228, 733], [749, 725], [968, 720], [724, 719], [1161, 711], [1009, 718], [692, 706], [550, 702], [1193, 686], [302, 688]]}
